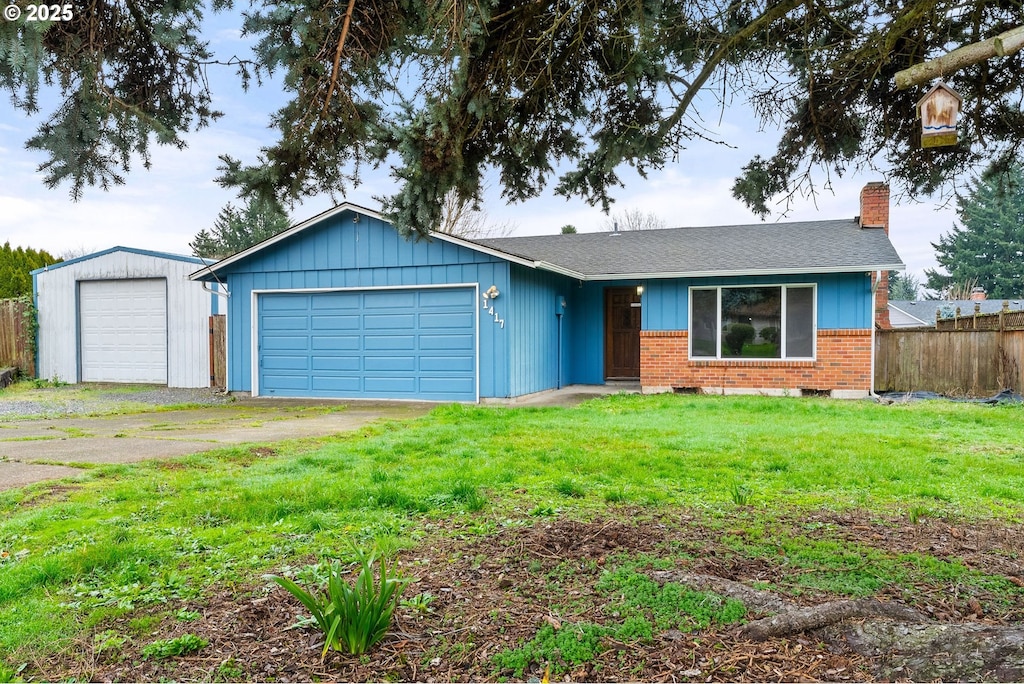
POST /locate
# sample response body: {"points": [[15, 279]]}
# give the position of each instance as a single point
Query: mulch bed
{"points": [[494, 592]]}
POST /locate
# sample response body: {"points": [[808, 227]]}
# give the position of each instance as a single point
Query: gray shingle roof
{"points": [[799, 247], [924, 310]]}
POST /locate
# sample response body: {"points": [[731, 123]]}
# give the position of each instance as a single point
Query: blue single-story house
{"points": [[342, 306]]}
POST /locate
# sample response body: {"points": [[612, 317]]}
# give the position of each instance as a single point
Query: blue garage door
{"points": [[369, 344]]}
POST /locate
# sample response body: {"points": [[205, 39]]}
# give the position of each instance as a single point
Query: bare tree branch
{"points": [[1006, 43]]}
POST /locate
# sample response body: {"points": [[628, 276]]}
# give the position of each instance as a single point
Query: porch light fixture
{"points": [[492, 292], [639, 290]]}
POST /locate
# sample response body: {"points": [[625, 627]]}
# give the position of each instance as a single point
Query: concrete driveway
{"points": [[49, 448]]}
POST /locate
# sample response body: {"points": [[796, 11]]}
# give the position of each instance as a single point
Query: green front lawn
{"points": [[131, 538]]}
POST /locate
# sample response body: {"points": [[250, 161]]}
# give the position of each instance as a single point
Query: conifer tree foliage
{"points": [[904, 286], [129, 73], [16, 266], [560, 93], [237, 229], [987, 248]]}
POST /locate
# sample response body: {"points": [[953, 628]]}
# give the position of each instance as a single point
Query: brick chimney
{"points": [[978, 294], [874, 214]]}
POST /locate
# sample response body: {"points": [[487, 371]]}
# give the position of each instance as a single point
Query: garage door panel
{"points": [[285, 343], [283, 322], [446, 321], [382, 344], [389, 321], [338, 342], [389, 299], [287, 303], [335, 300], [277, 363], [347, 385], [336, 363], [431, 364], [389, 385], [460, 342], [280, 381], [390, 363], [123, 330], [460, 298], [389, 342], [324, 322]]}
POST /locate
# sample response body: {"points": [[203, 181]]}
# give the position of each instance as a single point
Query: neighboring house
{"points": [[124, 315], [908, 314], [342, 306]]}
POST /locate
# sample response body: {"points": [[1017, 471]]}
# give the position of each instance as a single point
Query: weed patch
{"points": [[667, 606], [170, 648]]}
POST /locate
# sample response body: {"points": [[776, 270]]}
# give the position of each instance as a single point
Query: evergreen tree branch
{"points": [[337, 56]]}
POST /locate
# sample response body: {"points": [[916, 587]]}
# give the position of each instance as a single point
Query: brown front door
{"points": [[621, 333]]}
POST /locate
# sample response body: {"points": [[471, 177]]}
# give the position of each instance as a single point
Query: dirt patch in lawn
{"points": [[495, 592]]}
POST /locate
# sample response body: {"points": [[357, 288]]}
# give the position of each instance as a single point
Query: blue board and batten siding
{"points": [[344, 255], [540, 344], [844, 299]]}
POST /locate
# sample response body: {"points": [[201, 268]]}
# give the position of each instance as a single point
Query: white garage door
{"points": [[123, 330]]}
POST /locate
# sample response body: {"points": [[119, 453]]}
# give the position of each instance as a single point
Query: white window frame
{"points": [[782, 328]]}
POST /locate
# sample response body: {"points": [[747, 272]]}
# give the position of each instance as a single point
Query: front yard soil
{"points": [[494, 591]]}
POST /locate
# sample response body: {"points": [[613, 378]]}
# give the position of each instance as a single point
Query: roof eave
{"points": [[664, 275], [297, 228], [490, 251], [120, 248]]}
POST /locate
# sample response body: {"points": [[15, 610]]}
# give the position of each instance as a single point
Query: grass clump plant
{"points": [[740, 494], [352, 618], [169, 648]]}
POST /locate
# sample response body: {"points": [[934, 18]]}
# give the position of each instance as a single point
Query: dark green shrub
{"points": [[739, 334], [770, 335]]}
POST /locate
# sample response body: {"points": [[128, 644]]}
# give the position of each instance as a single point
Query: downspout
{"points": [[558, 364], [558, 347], [225, 294]]}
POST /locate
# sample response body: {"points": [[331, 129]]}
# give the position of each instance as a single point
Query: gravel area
{"points": [[54, 402]]}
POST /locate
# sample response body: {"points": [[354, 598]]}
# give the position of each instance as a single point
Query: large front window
{"points": [[766, 322]]}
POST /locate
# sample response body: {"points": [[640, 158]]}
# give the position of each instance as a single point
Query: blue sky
{"points": [[164, 207]]}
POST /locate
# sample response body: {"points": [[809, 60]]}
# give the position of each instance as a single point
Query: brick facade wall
{"points": [[843, 365]]}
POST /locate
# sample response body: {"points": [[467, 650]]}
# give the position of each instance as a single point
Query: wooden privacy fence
{"points": [[972, 362], [218, 351], [17, 336], [1004, 320]]}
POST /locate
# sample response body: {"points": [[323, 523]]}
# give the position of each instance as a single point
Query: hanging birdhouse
{"points": [[939, 110]]}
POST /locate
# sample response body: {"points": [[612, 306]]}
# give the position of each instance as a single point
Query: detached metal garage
{"points": [[124, 315]]}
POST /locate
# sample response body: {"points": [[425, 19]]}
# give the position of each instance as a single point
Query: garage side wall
{"points": [[188, 309], [540, 327]]}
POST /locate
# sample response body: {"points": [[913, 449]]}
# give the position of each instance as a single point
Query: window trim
{"points": [[782, 328]]}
